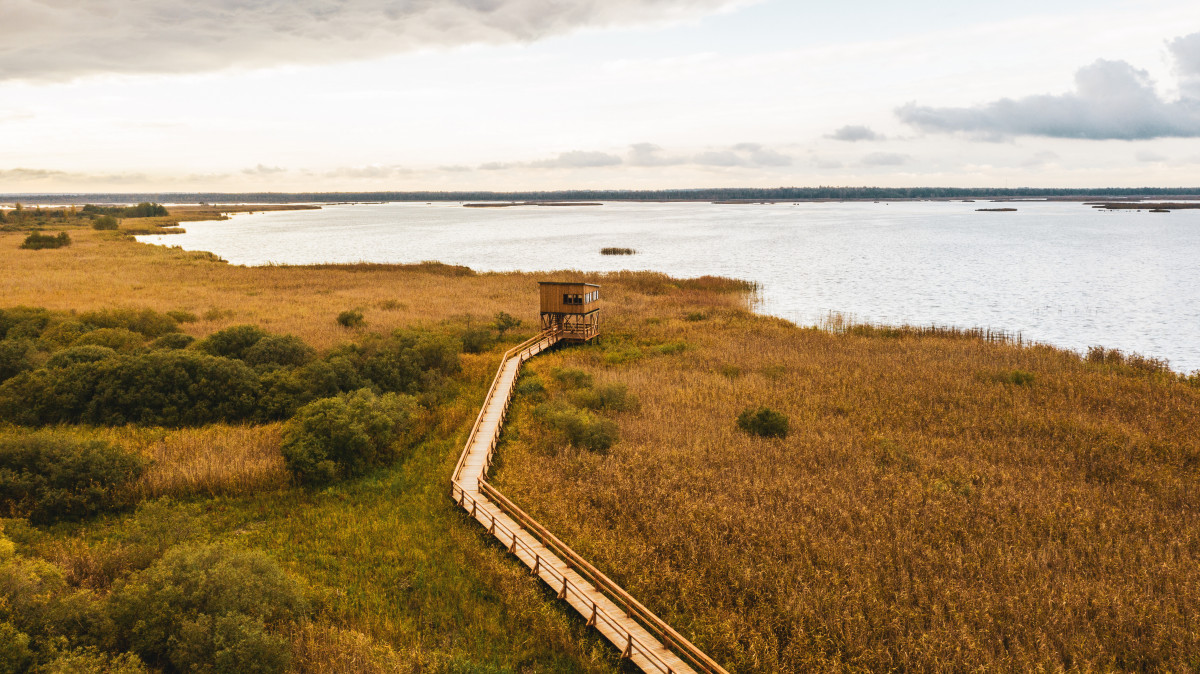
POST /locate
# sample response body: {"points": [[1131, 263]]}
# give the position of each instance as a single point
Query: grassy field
{"points": [[941, 503], [404, 581]]}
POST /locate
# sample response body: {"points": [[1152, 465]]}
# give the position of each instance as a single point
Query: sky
{"points": [[363, 95]]}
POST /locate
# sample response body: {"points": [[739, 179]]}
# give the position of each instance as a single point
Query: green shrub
{"points": [[407, 361], [181, 316], [143, 321], [571, 377], [15, 655], [159, 388], [50, 478], [36, 600], [286, 390], [209, 609], [764, 422], [1016, 378], [579, 428], [614, 397], [15, 357], [351, 318], [345, 436], [503, 322], [530, 387], [286, 350], [671, 348], [173, 340], [62, 334], [93, 661], [104, 222], [621, 354], [73, 355], [39, 241], [477, 340], [23, 322], [117, 339], [231, 342]]}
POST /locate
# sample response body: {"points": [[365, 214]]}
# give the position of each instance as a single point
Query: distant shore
{"points": [[577, 197]]}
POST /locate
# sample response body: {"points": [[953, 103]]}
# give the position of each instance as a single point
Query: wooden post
{"points": [[562, 594], [628, 652]]}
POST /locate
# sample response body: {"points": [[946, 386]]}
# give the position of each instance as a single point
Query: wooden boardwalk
{"points": [[641, 636]]}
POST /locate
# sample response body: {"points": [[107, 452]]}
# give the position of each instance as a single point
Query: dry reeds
{"points": [[941, 502], [209, 461]]}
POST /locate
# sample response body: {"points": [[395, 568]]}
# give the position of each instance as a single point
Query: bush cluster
{"points": [[211, 609], [579, 428], [145, 209], [105, 222], [763, 422], [196, 609], [39, 241], [49, 478], [100, 368], [345, 436], [571, 417]]}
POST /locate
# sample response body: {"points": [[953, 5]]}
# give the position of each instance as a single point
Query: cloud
{"points": [[262, 170], [827, 163], [741, 154], [761, 156], [853, 133], [371, 172], [1148, 156], [28, 175], [578, 159], [1186, 51], [60, 39], [649, 154], [753, 155], [885, 159], [1112, 100]]}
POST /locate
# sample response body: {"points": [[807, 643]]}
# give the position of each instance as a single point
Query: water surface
{"points": [[1056, 272]]}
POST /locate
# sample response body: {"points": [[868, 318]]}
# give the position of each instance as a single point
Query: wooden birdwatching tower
{"points": [[572, 308]]}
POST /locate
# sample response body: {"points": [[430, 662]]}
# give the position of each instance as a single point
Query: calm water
{"points": [[1061, 273]]}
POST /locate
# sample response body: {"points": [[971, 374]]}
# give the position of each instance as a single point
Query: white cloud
{"points": [[1148, 156], [262, 170], [855, 132], [1111, 100], [59, 39], [578, 159]]}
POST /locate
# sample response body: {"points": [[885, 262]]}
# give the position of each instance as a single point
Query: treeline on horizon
{"points": [[713, 194]]}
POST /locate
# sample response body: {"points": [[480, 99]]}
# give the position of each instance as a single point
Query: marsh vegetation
{"points": [[942, 499]]}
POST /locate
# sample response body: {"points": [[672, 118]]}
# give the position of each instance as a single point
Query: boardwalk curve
{"points": [[641, 636]]}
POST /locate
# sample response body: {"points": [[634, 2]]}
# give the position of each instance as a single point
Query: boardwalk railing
{"points": [[605, 604]]}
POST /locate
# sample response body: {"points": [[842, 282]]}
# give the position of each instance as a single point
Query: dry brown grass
{"points": [[209, 461], [931, 510], [319, 648], [925, 513], [105, 270]]}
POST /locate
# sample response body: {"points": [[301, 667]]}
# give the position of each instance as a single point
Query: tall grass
{"points": [[941, 503]]}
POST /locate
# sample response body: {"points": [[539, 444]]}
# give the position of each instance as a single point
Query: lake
{"points": [[1057, 272]]}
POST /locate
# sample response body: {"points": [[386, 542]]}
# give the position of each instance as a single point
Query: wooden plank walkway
{"points": [[573, 579]]}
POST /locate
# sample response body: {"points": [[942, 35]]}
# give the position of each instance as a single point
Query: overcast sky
{"points": [[248, 95]]}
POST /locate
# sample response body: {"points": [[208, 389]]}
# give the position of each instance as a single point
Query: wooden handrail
{"points": [[645, 616], [600, 583], [566, 586]]}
